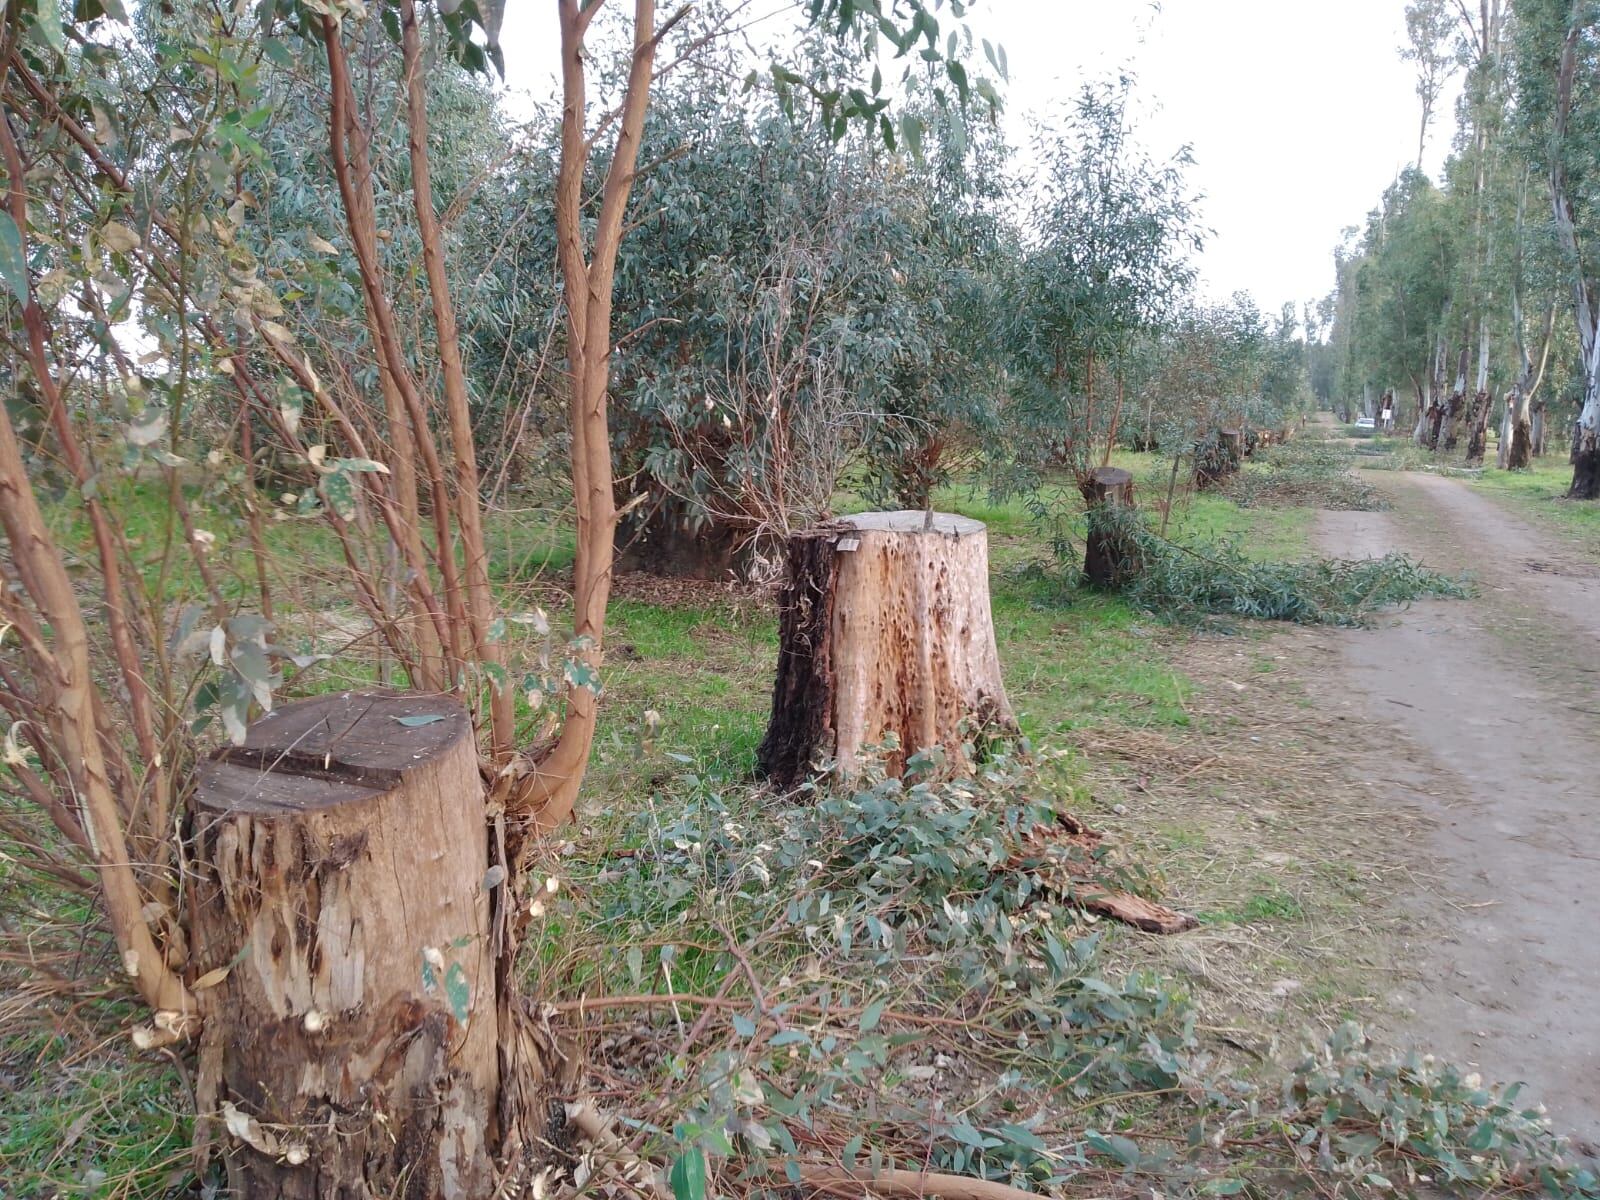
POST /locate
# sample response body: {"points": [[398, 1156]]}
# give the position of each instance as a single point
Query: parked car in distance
{"points": [[1366, 423]]}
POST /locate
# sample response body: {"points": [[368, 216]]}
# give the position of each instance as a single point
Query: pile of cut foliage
{"points": [[1306, 472], [887, 981], [1218, 579]]}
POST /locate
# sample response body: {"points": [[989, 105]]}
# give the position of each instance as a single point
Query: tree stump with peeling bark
{"points": [[885, 628], [351, 1042], [1111, 552]]}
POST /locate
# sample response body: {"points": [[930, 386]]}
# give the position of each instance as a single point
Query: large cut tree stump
{"points": [[352, 1043], [884, 629], [1111, 553]]}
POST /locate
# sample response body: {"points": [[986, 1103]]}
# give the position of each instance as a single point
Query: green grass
{"points": [[1540, 495], [102, 1126], [1269, 903], [1072, 660]]}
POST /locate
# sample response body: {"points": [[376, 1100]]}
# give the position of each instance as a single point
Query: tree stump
{"points": [[352, 1043], [1111, 553], [884, 628], [1217, 457]]}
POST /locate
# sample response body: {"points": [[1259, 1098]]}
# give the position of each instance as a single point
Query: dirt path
{"points": [[1495, 722]]}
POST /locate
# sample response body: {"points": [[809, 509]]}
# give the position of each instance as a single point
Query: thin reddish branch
{"points": [[358, 207], [552, 789], [69, 678], [37, 330], [468, 503]]}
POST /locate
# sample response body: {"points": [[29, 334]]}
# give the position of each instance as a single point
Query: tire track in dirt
{"points": [[1495, 736]]}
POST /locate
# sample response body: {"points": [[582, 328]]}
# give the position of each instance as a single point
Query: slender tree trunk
{"points": [[1172, 490], [587, 279]]}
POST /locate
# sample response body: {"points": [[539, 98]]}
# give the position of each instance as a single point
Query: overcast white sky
{"points": [[1299, 112]]}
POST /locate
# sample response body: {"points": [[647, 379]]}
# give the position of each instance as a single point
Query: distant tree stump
{"points": [[884, 628], [1217, 457], [353, 1041], [1111, 553]]}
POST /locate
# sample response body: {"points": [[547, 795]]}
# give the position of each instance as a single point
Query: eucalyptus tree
{"points": [[1430, 46], [794, 297], [132, 171], [1557, 66], [1108, 251], [1396, 294], [1212, 361]]}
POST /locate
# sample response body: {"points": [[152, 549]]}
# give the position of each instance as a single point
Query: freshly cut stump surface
{"points": [[352, 1042], [885, 628]]}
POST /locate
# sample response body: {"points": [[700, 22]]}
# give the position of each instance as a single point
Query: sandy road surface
{"points": [[1496, 736]]}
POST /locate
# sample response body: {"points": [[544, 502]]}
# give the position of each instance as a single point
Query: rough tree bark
{"points": [[1477, 425], [884, 629], [1450, 422], [1111, 555], [363, 1040], [1519, 424]]}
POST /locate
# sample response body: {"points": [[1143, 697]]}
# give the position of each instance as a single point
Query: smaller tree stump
{"points": [[352, 1039], [884, 628], [1111, 555], [1217, 457]]}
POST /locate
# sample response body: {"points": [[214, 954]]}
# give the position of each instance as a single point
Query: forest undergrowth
{"points": [[896, 976], [757, 990]]}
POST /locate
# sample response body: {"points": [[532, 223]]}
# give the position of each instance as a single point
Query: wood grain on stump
{"points": [[353, 1041], [885, 629]]}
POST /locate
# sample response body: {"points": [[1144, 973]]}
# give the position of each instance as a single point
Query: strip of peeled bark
{"points": [[885, 629], [1111, 555], [354, 1041]]}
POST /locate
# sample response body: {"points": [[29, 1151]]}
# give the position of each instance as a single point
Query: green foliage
{"points": [[1197, 583], [1369, 1118], [1305, 471], [1107, 257]]}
